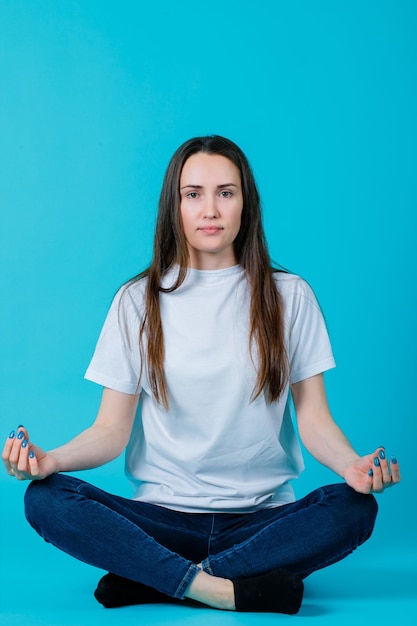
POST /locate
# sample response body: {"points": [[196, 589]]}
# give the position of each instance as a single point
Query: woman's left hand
{"points": [[373, 472]]}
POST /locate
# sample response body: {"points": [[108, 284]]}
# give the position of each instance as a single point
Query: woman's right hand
{"points": [[24, 460], [98, 444]]}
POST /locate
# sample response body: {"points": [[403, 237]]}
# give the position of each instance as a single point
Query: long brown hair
{"points": [[170, 248]]}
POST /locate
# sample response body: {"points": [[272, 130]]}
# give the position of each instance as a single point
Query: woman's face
{"points": [[211, 209]]}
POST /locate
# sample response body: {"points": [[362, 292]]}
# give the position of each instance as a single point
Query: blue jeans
{"points": [[160, 547]]}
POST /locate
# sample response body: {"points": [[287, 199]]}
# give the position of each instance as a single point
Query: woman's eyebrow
{"points": [[222, 186]]}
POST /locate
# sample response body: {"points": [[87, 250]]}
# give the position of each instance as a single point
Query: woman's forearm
{"points": [[93, 447], [105, 439], [318, 431], [327, 443]]}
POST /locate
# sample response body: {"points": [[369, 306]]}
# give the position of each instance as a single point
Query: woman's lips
{"points": [[211, 230]]}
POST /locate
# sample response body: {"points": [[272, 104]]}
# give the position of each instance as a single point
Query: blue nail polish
{"points": [[394, 460], [24, 443], [381, 454], [21, 435], [371, 472], [20, 426], [31, 454], [376, 461], [12, 434]]}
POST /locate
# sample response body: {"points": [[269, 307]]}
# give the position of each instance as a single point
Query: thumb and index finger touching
{"points": [[18, 455]]}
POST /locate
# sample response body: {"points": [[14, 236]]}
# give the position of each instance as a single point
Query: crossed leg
{"points": [[244, 559]]}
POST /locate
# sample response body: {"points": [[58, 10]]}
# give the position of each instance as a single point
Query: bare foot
{"points": [[212, 591]]}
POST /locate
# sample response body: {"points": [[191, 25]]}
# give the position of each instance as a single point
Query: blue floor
{"points": [[39, 586]]}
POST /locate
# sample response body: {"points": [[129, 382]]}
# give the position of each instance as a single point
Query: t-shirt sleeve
{"points": [[310, 352], [116, 360]]}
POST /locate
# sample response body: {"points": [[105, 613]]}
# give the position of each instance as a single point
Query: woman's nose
{"points": [[210, 209]]}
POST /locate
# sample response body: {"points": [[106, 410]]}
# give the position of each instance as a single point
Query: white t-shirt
{"points": [[214, 450]]}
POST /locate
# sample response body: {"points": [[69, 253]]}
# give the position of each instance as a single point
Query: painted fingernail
{"points": [[371, 472], [20, 426], [24, 443], [381, 454], [31, 454], [21, 435], [394, 460], [376, 461], [12, 434]]}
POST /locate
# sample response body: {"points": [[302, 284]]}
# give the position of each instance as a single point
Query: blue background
{"points": [[95, 97]]}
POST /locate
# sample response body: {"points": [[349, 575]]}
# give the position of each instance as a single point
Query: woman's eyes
{"points": [[223, 194]]}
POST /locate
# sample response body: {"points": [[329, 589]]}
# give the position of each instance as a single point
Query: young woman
{"points": [[198, 358]]}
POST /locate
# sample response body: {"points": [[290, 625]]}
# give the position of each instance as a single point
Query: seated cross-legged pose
{"points": [[199, 357]]}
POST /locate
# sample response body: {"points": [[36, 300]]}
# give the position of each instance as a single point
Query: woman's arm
{"points": [[95, 446], [328, 444]]}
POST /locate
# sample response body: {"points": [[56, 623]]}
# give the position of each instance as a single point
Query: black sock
{"points": [[278, 591], [115, 591]]}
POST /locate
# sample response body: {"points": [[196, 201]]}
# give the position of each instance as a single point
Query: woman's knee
{"points": [[37, 498], [361, 509], [369, 511], [42, 498]]}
